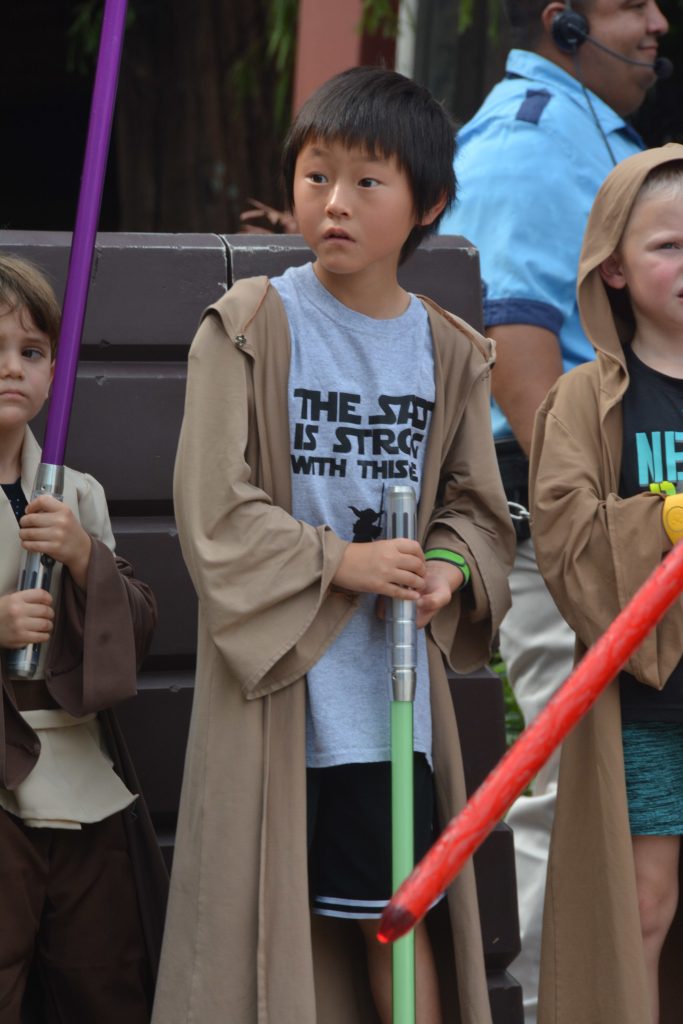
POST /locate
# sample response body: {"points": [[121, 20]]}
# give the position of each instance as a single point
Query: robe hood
{"points": [[606, 313]]}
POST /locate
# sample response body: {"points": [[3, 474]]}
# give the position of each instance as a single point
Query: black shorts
{"points": [[349, 835]]}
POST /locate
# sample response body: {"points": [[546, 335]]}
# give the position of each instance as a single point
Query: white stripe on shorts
{"points": [[333, 906]]}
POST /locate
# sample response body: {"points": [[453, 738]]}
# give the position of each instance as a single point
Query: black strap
{"points": [[514, 472]]}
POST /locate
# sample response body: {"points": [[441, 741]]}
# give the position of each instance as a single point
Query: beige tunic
{"points": [[240, 946]]}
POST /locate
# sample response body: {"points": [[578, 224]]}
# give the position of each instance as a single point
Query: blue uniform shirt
{"points": [[528, 166]]}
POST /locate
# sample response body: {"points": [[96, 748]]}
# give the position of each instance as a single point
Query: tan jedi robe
{"points": [[595, 550], [240, 944]]}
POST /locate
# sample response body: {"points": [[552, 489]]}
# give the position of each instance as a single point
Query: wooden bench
{"points": [[146, 296]]}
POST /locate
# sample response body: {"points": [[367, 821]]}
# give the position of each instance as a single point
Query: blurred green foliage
{"points": [[83, 34], [281, 49], [379, 17], [514, 719], [466, 15]]}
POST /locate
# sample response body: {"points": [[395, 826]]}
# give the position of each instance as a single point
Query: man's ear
{"points": [[612, 271], [433, 212], [549, 12]]}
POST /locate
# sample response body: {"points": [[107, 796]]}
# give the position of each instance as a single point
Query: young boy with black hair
{"points": [[606, 476], [308, 395], [69, 905]]}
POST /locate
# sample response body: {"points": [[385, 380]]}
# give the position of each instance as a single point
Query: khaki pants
{"points": [[537, 646], [68, 906]]}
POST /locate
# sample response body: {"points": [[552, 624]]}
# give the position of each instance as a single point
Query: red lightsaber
{"points": [[521, 763]]}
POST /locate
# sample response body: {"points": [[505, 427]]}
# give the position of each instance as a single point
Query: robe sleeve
{"points": [[103, 633], [263, 578], [472, 519], [594, 548]]}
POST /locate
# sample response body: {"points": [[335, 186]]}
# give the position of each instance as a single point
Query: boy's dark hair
{"points": [[388, 115], [24, 286], [524, 17]]}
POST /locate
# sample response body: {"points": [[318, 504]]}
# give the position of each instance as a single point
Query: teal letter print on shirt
{"points": [[649, 457]]}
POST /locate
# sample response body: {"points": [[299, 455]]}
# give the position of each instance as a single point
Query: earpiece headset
{"points": [[569, 29]]}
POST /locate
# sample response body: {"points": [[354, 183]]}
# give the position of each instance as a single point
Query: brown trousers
{"points": [[68, 906]]}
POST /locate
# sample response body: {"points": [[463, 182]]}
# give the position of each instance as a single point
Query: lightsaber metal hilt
{"points": [[401, 615], [36, 571]]}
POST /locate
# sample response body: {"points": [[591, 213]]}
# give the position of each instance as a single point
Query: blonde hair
{"points": [[665, 181], [24, 286]]}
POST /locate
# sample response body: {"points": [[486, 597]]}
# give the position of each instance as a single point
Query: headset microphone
{"points": [[663, 68]]}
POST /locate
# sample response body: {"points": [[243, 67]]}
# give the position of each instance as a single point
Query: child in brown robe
{"points": [[69, 903]]}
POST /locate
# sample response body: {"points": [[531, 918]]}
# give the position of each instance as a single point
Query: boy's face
{"points": [[26, 368], [649, 261], [354, 211]]}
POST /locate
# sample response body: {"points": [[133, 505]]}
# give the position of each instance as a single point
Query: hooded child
{"points": [[74, 841], [306, 397], [607, 466]]}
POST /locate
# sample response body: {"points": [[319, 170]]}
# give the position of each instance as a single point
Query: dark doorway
{"points": [[44, 114]]}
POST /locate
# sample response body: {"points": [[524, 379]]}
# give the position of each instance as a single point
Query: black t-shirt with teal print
{"points": [[653, 454]]}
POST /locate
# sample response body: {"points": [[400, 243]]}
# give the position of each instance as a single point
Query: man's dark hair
{"points": [[524, 17], [389, 116]]}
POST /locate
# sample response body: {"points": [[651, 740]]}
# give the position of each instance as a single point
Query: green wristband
{"points": [[444, 555]]}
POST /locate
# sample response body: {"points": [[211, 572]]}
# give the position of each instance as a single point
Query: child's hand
{"points": [[26, 617], [395, 568], [441, 582], [50, 527]]}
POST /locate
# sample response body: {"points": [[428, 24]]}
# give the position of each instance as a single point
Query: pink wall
{"points": [[328, 42]]}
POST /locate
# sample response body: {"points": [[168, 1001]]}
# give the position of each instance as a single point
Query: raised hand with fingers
{"points": [[49, 526], [441, 582]]}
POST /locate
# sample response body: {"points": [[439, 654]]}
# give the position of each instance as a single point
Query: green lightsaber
{"points": [[402, 657]]}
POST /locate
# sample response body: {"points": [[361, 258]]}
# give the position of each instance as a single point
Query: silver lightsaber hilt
{"points": [[36, 572], [401, 615]]}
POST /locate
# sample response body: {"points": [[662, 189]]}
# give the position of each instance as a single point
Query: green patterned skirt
{"points": [[653, 762]]}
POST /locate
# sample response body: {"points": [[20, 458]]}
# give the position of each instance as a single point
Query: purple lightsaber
{"points": [[37, 568]]}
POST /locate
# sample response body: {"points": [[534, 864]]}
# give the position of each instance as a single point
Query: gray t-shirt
{"points": [[361, 392]]}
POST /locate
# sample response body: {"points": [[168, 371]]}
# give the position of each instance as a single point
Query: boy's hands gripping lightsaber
{"points": [[402, 656], [36, 570]]}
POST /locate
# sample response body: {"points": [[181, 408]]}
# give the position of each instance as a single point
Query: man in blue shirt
{"points": [[529, 165]]}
